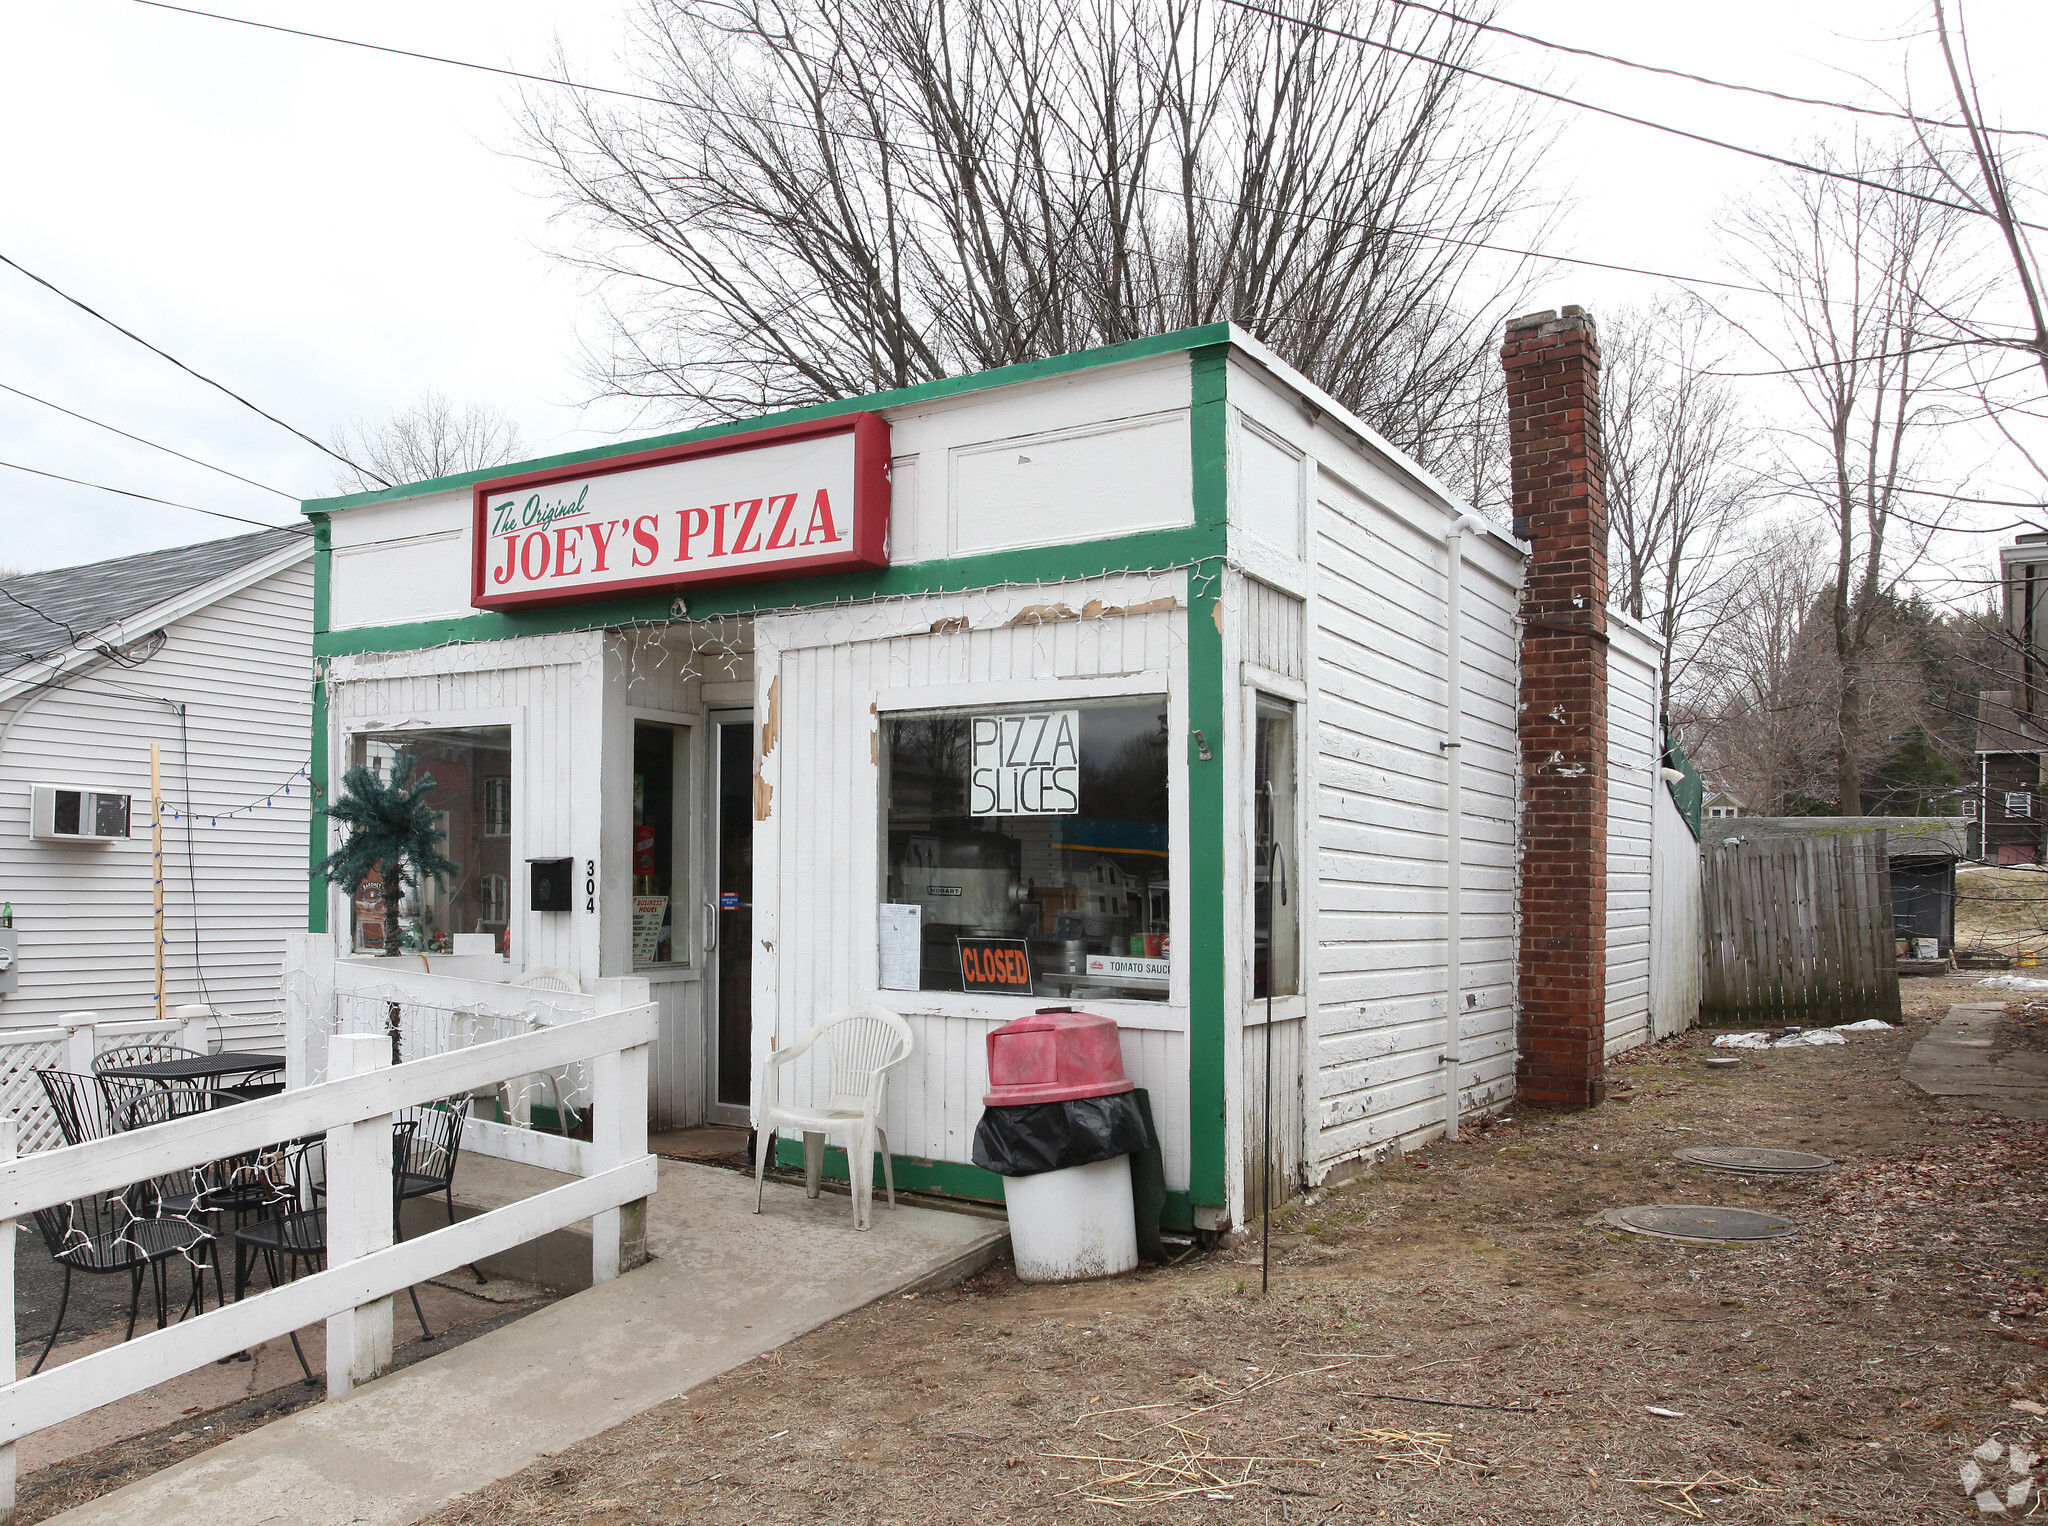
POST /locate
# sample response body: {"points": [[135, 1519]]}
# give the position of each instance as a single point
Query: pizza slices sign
{"points": [[792, 501]]}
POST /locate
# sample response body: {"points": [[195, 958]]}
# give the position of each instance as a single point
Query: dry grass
{"points": [[1840, 1376], [2002, 909]]}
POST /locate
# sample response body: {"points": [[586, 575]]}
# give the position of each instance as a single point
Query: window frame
{"points": [[687, 847], [1257, 683], [342, 743], [1169, 1015]]}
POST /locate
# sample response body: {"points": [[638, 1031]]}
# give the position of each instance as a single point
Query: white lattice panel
{"points": [[22, 1097]]}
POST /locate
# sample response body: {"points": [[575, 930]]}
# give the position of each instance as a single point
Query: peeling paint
{"points": [[1095, 609], [1216, 614], [1042, 614], [874, 748], [950, 625], [771, 729], [764, 797]]}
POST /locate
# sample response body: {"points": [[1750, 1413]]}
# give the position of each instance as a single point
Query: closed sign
{"points": [[1025, 765], [995, 966]]}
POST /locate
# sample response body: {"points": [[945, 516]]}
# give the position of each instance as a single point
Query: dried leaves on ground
{"points": [[1451, 1340]]}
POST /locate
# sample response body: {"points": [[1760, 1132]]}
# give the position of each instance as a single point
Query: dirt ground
{"points": [[1582, 1375]]}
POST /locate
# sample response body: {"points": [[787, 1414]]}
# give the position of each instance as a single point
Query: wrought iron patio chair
{"points": [[293, 1229], [141, 1054], [81, 1105], [237, 1187], [102, 1236], [436, 1148]]}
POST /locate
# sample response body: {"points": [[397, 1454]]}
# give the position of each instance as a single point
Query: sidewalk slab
{"points": [[725, 1287], [1954, 1060]]}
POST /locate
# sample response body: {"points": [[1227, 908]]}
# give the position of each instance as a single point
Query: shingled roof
{"points": [[42, 613]]}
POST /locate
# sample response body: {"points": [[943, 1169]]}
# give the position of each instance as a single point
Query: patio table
{"points": [[201, 1068]]}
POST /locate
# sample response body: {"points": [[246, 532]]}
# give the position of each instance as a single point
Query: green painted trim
{"points": [[1125, 553], [945, 1178], [316, 824], [949, 386], [1207, 1094]]}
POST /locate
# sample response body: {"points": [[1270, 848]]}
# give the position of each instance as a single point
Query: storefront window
{"points": [[1276, 915], [661, 759], [471, 796], [1027, 851]]}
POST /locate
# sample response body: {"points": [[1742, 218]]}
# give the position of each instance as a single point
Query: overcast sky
{"points": [[328, 231]]}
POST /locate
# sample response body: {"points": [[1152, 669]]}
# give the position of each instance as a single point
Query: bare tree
{"points": [[847, 196], [1865, 288], [432, 437], [1680, 478], [1986, 180]]}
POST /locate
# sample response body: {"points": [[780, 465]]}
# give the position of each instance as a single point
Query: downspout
{"points": [[1454, 815]]}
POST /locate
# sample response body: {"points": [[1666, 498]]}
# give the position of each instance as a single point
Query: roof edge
{"points": [[173, 609], [950, 386], [1370, 439]]}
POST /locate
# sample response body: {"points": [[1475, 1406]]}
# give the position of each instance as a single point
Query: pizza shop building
{"points": [[1120, 680]]}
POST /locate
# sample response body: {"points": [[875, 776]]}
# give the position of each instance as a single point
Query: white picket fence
{"points": [[353, 1108]]}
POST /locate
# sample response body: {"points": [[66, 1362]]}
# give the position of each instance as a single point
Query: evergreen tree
{"points": [[390, 829]]}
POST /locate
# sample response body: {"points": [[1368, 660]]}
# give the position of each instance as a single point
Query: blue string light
{"points": [[215, 818]]}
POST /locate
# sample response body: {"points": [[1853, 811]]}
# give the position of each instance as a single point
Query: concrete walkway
{"points": [[1954, 1060], [724, 1287]]}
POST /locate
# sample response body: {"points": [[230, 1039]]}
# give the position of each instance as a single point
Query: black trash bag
{"points": [[1148, 1186], [1050, 1136]]}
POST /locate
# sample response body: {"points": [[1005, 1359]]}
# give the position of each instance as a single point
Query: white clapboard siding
{"points": [[241, 668], [1377, 680], [1273, 635], [1634, 753], [549, 690], [1677, 920], [820, 676], [1288, 1135]]}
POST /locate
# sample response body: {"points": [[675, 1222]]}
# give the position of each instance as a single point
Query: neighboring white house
{"points": [[206, 651]]}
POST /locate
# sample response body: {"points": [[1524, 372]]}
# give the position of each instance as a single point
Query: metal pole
{"points": [[156, 860], [1266, 1152]]}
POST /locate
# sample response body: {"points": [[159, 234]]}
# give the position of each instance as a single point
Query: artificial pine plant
{"points": [[390, 827]]}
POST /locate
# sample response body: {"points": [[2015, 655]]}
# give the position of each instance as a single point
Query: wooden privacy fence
{"points": [[364, 1268], [1799, 930]]}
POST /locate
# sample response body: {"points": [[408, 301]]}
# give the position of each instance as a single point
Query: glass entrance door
{"points": [[730, 983]]}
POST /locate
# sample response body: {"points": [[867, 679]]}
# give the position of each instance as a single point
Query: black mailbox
{"points": [[554, 884]]}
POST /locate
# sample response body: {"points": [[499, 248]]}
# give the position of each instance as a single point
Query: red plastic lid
{"points": [[1055, 1055]]}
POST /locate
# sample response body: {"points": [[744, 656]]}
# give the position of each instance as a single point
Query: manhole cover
{"points": [[1747, 1158], [1698, 1221]]}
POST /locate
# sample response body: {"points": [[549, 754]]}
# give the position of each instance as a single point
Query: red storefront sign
{"points": [[792, 501]]}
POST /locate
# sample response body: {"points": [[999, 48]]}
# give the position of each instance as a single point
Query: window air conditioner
{"points": [[75, 813]]}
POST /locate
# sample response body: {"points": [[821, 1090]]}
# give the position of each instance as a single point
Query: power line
{"points": [[146, 498], [432, 58], [1701, 79], [167, 355], [1608, 111], [759, 120], [100, 424]]}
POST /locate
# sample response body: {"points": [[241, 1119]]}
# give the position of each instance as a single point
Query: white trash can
{"points": [[1074, 1223]]}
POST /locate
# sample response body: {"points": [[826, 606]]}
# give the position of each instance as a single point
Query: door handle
{"points": [[710, 926]]}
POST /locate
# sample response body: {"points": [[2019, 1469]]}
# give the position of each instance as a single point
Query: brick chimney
{"points": [[1559, 480]]}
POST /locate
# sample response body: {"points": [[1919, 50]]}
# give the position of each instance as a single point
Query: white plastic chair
{"points": [[862, 1044], [545, 978]]}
